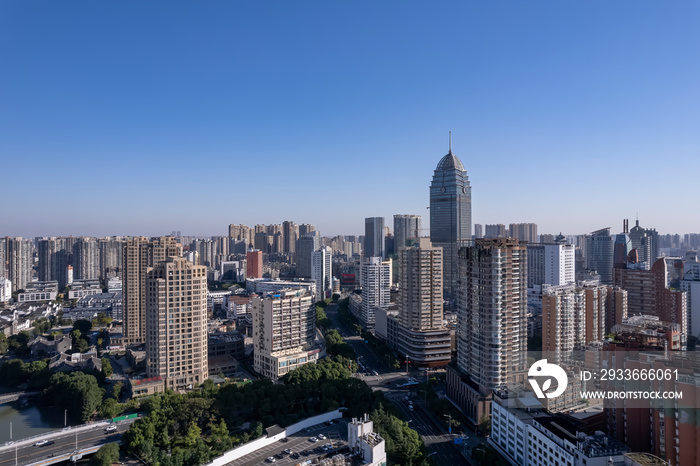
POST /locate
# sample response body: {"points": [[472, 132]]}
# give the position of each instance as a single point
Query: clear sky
{"points": [[132, 117]]}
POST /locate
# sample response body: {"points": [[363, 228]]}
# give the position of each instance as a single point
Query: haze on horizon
{"points": [[139, 119]]}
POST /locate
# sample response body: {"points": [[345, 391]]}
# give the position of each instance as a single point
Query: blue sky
{"points": [[145, 117]]}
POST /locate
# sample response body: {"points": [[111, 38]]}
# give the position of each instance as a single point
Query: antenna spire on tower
{"points": [[450, 142]]}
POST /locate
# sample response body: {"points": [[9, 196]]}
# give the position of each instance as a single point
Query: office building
{"points": [[646, 242], [478, 230], [375, 235], [423, 338], [599, 254], [284, 329], [254, 264], [492, 324], [375, 279], [405, 227], [450, 215], [176, 323], [140, 254], [321, 272]]}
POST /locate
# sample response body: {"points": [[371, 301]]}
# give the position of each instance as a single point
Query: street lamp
{"points": [[65, 418], [449, 422]]}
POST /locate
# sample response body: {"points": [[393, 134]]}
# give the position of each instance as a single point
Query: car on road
{"points": [[41, 443], [270, 459], [111, 429]]}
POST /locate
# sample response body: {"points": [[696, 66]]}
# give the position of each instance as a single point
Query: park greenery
{"points": [[107, 455], [76, 391]]}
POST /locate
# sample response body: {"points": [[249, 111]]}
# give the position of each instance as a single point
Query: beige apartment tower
{"points": [[423, 338], [492, 324], [176, 323], [140, 253]]}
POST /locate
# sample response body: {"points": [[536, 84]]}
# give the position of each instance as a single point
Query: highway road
{"points": [[63, 442], [440, 445]]}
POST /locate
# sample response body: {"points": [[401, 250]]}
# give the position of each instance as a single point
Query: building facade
{"points": [[450, 215], [176, 323], [375, 279], [321, 272]]}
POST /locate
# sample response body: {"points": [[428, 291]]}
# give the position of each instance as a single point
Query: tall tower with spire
{"points": [[450, 214]]}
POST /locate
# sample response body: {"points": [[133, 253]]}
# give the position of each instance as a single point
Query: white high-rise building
{"points": [[321, 272], [284, 330], [5, 290], [375, 279]]}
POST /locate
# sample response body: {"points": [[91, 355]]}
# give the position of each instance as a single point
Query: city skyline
{"points": [[588, 105]]}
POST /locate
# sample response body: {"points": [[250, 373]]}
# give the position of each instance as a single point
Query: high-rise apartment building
{"points": [[647, 292], [496, 230], [140, 253], [290, 232], [305, 229], [492, 323], [526, 232], [254, 264], [690, 283], [599, 254], [86, 259], [375, 279], [478, 230], [284, 329], [374, 237], [305, 247], [405, 227], [450, 215], [550, 264], [321, 272], [176, 323], [3, 258], [111, 257], [423, 338], [19, 262]]}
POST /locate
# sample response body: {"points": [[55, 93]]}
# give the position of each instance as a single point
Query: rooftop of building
{"points": [[646, 459], [450, 162], [373, 439]]}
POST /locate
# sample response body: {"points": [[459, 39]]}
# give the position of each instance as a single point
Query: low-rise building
{"points": [[226, 344], [41, 346], [38, 291], [266, 285], [85, 362], [81, 288], [364, 442]]}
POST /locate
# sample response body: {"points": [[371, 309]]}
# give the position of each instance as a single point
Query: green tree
{"points": [[76, 391], [106, 455], [4, 344], [107, 367], [117, 390], [193, 434], [101, 320], [83, 325], [110, 408]]}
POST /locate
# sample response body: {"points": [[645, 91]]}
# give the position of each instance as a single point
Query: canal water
{"points": [[27, 420]]}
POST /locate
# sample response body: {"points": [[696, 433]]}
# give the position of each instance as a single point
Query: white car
{"points": [[313, 439], [270, 459], [111, 429], [41, 443], [322, 437]]}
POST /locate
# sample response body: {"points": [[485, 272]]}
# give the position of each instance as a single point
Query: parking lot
{"points": [[336, 435]]}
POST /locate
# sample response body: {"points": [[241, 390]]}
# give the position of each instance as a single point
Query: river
{"points": [[27, 420]]}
